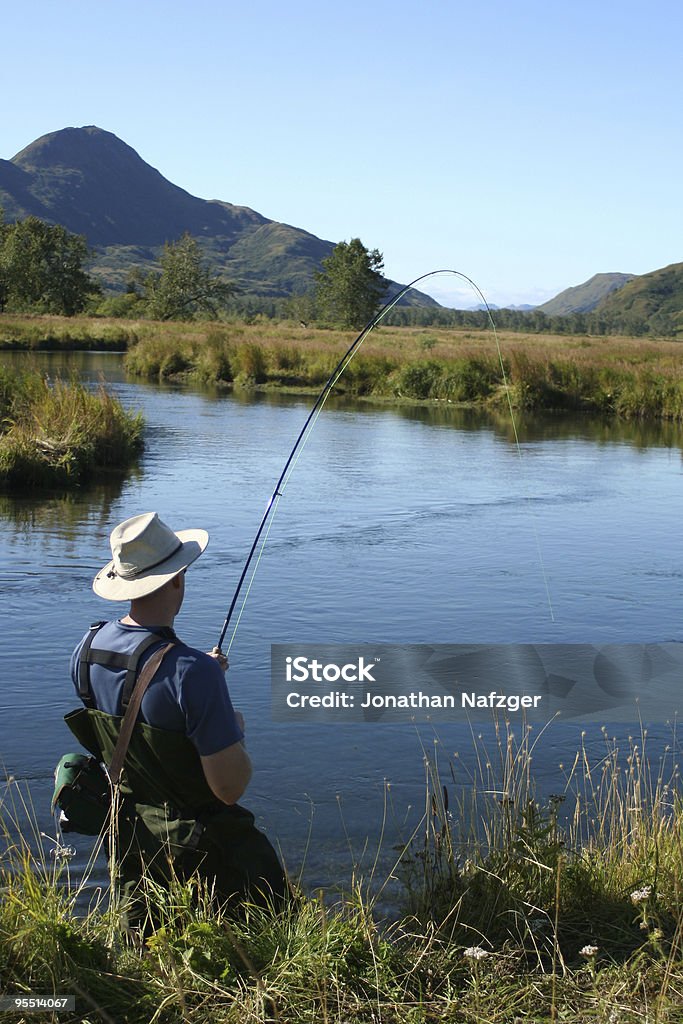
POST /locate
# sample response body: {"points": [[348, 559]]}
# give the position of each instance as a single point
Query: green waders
{"points": [[171, 824]]}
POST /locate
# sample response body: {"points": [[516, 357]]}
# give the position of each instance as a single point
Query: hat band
{"points": [[127, 574]]}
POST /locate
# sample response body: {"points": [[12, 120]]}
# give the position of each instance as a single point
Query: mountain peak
{"points": [[70, 145], [96, 185]]}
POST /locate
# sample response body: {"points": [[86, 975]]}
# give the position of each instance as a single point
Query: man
{"points": [[186, 765]]}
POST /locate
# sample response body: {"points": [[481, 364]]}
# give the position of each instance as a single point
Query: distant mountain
{"points": [[654, 300], [583, 298], [523, 308], [94, 184]]}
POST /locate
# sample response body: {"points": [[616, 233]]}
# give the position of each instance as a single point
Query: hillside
{"points": [[654, 299], [584, 298], [96, 185]]}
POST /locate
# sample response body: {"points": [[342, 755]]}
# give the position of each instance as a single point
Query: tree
{"points": [[4, 283], [185, 285], [350, 287], [41, 268]]}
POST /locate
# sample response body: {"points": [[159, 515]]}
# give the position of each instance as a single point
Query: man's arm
{"points": [[228, 772]]}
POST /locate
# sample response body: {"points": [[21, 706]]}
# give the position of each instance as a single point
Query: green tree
{"points": [[4, 283], [301, 307], [41, 268], [186, 286], [350, 287]]}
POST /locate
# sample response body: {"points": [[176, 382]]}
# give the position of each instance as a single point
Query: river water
{"points": [[399, 524]]}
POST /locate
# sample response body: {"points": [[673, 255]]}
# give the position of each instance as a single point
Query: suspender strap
{"points": [[144, 679], [113, 659], [84, 691], [110, 659]]}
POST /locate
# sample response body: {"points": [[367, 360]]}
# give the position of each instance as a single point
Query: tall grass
{"points": [[514, 911], [613, 376], [61, 433], [497, 867]]}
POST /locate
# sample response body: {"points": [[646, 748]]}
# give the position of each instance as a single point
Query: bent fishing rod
{"points": [[310, 422]]}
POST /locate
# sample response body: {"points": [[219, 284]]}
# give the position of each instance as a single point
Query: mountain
{"points": [[523, 308], [583, 298], [96, 185], [654, 299]]}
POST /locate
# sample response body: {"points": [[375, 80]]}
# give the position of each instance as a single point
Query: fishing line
{"points": [[518, 446], [299, 444]]}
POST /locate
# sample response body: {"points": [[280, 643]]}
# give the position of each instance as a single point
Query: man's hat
{"points": [[147, 554]]}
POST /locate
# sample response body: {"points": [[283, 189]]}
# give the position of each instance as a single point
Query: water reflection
{"points": [[64, 512], [531, 428]]}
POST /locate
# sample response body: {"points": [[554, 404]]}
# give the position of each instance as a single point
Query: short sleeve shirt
{"points": [[188, 693]]}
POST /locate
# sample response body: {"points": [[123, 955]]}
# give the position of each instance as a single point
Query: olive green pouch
{"points": [[82, 793]]}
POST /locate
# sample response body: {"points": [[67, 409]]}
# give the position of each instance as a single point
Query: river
{"points": [[400, 524]]}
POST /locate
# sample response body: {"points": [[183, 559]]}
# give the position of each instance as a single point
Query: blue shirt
{"points": [[188, 693]]}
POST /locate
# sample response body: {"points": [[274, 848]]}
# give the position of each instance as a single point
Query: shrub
{"points": [[251, 362]]}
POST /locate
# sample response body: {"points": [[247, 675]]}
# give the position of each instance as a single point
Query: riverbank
{"points": [[610, 376], [513, 912], [622, 377], [60, 434]]}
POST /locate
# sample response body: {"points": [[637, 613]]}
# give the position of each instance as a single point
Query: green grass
{"points": [[60, 434], [513, 912]]}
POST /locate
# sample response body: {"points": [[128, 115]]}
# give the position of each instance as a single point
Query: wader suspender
{"points": [[112, 659], [133, 691]]}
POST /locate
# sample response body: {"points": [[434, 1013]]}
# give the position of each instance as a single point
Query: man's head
{"points": [[147, 555]]}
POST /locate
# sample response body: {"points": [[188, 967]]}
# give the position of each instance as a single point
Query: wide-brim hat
{"points": [[146, 555]]}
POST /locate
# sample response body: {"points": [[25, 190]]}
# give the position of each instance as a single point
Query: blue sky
{"points": [[529, 145]]}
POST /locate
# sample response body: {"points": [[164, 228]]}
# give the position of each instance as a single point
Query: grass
{"points": [[623, 377], [46, 332], [612, 376], [513, 912], [60, 433]]}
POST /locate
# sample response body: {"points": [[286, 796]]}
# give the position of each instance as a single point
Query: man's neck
{"points": [[149, 619]]}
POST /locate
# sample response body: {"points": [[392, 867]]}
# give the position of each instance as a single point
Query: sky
{"points": [[527, 145]]}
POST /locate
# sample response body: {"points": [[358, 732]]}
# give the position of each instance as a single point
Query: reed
{"points": [[514, 911], [60, 433]]}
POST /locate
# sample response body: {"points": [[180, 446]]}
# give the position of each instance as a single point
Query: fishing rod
{"points": [[305, 431]]}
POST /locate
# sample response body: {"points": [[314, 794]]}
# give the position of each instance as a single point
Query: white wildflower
{"points": [[640, 895], [475, 953], [588, 951], [63, 852]]}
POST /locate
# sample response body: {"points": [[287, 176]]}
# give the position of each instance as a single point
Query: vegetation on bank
{"points": [[513, 912], [627, 377], [45, 333], [624, 377], [60, 433]]}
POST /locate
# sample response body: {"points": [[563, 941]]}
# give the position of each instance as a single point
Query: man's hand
{"points": [[222, 660]]}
